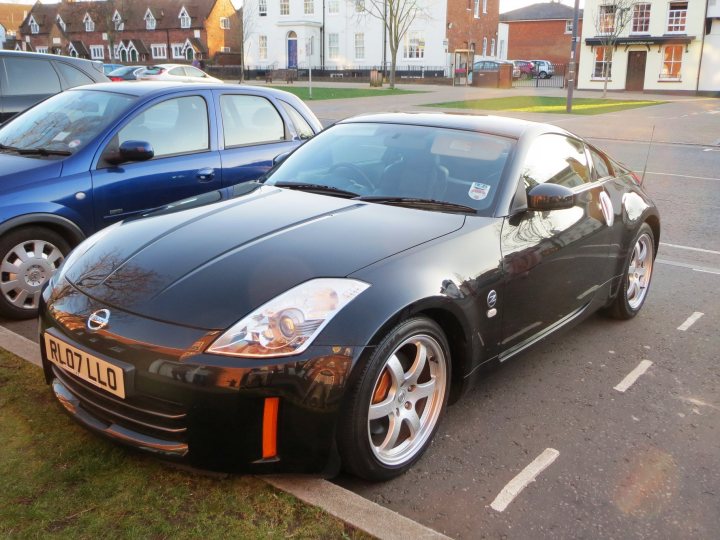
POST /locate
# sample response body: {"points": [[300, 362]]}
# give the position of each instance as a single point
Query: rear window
{"points": [[153, 70]]}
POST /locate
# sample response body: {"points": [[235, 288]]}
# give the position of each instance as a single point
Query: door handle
{"points": [[205, 175]]}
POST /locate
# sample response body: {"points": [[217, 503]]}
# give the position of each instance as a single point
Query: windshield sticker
{"points": [[61, 136], [73, 144], [478, 191]]}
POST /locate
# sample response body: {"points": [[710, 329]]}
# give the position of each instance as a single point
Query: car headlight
{"points": [[289, 323]]}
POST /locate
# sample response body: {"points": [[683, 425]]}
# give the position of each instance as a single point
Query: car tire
{"points": [[543, 74], [394, 406], [28, 258], [636, 278]]}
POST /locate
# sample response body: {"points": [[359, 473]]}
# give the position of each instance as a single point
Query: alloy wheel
{"points": [[640, 271]]}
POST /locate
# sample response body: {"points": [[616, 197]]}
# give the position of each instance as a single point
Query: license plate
{"points": [[89, 368]]}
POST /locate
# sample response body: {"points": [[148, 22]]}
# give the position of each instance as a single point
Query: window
{"points": [[262, 47], [97, 52], [492, 47], [302, 127], [118, 22], [44, 80], [556, 159], [333, 6], [484, 6], [333, 46], [178, 72], [476, 9], [158, 50], [672, 62], [607, 19], [414, 45], [484, 49], [640, 19], [359, 46], [177, 50], [89, 24], [677, 16], [603, 63], [61, 23], [175, 126], [34, 27], [284, 7], [185, 20], [309, 7], [250, 120], [73, 76], [568, 26], [262, 8], [225, 49], [43, 50], [150, 21], [601, 165], [224, 23]]}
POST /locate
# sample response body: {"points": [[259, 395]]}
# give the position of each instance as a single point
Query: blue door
{"points": [[292, 53]]}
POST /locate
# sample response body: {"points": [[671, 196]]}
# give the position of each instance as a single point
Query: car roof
{"points": [[498, 125]]}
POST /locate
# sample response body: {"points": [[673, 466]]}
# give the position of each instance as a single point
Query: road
{"points": [[639, 463]]}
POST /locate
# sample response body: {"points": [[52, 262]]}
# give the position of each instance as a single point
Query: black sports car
{"points": [[332, 310]]}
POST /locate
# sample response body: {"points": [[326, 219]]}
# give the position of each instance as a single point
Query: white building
{"points": [[710, 60], [659, 50]]}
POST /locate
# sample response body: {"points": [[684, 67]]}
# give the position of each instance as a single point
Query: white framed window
{"points": [[158, 50], [41, 49], [262, 8], [484, 49], [359, 46], [476, 9], [178, 50], [492, 47], [150, 22], [672, 62], [603, 63], [677, 17], [34, 27], [185, 20], [262, 48], [484, 6], [97, 52], [568, 26], [224, 23], [640, 19], [607, 19], [89, 23], [60, 22], [333, 6], [414, 46], [118, 21], [284, 7], [333, 46], [309, 7], [118, 51], [224, 49]]}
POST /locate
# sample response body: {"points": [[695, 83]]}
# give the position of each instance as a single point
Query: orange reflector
{"points": [[270, 416]]}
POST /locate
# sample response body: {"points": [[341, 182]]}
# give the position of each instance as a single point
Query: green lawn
{"points": [[301, 90], [546, 104], [59, 480]]}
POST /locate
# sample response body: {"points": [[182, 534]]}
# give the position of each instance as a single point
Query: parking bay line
{"points": [[690, 321], [633, 376], [701, 250], [696, 268], [523, 479]]}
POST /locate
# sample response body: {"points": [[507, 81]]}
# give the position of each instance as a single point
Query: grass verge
{"points": [[540, 104], [59, 480], [320, 92]]}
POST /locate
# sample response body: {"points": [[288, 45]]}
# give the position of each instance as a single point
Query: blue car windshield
{"points": [[62, 124], [385, 162]]}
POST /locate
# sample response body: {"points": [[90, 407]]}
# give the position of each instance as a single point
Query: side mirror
{"points": [[277, 160], [546, 197], [132, 151]]}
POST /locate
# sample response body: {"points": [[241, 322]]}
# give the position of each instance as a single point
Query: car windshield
{"points": [[62, 124], [385, 162]]}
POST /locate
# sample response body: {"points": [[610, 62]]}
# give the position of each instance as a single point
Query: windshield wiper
{"points": [[11, 148], [35, 151], [419, 203], [318, 188]]}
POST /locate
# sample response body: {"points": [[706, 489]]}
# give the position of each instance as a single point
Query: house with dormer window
{"points": [[135, 31], [11, 17]]}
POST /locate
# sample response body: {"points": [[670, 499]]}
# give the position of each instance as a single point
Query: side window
{"points": [[301, 126], [556, 159], [178, 71], [250, 120], [175, 126], [601, 164], [73, 76], [27, 76], [194, 72]]}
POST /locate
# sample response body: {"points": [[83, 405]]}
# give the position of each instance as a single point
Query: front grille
{"points": [[157, 418]]}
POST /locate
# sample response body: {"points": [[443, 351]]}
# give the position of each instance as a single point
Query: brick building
{"points": [[11, 17], [541, 31], [133, 31]]}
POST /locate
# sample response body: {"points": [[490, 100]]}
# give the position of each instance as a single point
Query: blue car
{"points": [[91, 156]]}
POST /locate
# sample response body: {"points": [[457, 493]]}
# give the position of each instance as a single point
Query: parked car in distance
{"points": [[494, 65], [27, 78], [91, 156], [107, 68], [125, 73], [334, 309], [176, 73], [524, 68], [543, 69]]}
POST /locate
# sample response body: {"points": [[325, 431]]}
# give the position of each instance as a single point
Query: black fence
{"points": [[358, 73], [548, 76]]}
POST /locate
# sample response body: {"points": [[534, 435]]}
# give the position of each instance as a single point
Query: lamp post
{"points": [[572, 67]]}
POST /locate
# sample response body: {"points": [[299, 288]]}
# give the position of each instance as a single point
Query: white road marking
{"points": [[690, 321], [705, 269], [677, 246], [524, 477], [684, 176], [633, 376], [698, 402]]}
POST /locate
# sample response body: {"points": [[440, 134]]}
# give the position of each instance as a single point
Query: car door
{"points": [[252, 133], [25, 82], [180, 129], [554, 261]]}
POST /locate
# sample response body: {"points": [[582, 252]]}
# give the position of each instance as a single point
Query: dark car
{"points": [[524, 68], [91, 156], [336, 308], [125, 73], [109, 68], [27, 78]]}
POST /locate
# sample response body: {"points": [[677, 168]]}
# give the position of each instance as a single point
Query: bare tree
{"points": [[397, 16], [611, 20], [248, 14]]}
